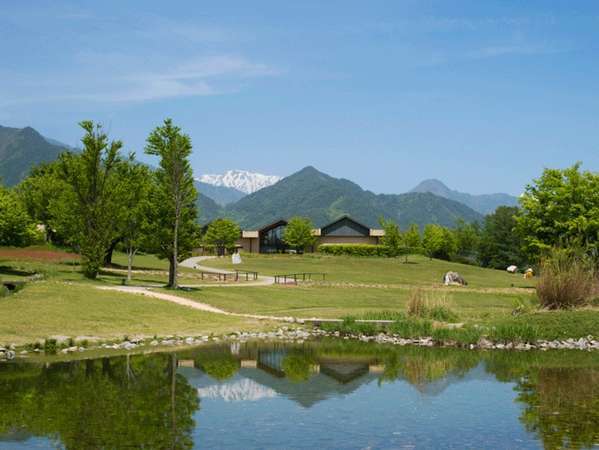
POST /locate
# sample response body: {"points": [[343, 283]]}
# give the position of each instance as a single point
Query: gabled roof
{"points": [[366, 230], [273, 225]]}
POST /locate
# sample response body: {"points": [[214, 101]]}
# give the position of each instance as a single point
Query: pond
{"points": [[330, 394]]}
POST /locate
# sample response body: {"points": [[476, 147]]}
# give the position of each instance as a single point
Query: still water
{"points": [[334, 394]]}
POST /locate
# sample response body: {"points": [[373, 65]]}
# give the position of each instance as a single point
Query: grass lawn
{"points": [[46, 308], [418, 271], [335, 302]]}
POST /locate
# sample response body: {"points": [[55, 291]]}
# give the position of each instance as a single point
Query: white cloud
{"points": [[130, 81]]}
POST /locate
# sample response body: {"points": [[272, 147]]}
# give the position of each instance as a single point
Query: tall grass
{"points": [[567, 280], [430, 305]]}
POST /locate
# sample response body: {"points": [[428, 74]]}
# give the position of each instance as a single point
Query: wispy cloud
{"points": [[199, 76]]}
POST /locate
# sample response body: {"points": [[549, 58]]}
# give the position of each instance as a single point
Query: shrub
{"points": [[430, 306], [50, 346], [353, 249], [567, 280]]}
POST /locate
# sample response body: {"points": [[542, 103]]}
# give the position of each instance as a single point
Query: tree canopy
{"points": [[173, 212], [298, 233], [561, 208], [222, 234], [91, 176]]}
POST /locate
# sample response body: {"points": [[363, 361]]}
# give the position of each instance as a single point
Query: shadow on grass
{"points": [[7, 270]]}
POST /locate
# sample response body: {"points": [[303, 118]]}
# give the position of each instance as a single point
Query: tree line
{"points": [[101, 198]]}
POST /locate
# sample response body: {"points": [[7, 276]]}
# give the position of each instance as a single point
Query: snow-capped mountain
{"points": [[242, 180]]}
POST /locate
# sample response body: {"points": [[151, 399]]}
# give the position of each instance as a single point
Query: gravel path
{"points": [[194, 263]]}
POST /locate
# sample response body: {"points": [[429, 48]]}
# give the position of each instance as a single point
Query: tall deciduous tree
{"points": [[438, 242], [94, 187], [43, 186], [298, 233], [467, 236], [561, 208], [392, 240], [500, 243], [135, 186], [16, 226], [222, 234], [173, 220]]}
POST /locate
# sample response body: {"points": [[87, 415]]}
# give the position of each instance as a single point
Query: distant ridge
{"points": [[241, 180], [21, 149], [222, 195], [484, 203], [323, 198]]}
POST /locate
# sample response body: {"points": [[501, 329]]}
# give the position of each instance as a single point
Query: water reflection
{"points": [[334, 394]]}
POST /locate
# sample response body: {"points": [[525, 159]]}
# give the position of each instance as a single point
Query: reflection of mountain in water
{"points": [[265, 377]]}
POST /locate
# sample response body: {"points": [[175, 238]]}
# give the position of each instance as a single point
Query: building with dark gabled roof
{"points": [[343, 230]]}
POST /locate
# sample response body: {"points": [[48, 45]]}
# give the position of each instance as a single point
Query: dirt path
{"points": [[148, 292], [194, 263]]}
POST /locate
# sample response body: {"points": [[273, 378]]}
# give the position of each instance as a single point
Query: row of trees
{"points": [[99, 198]]}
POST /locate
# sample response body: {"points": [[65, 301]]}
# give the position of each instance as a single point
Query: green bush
{"points": [[567, 280], [50, 346], [353, 249], [430, 305]]}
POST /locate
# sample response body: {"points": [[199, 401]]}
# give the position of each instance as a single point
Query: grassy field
{"points": [[47, 308], [65, 303], [335, 302], [418, 271]]}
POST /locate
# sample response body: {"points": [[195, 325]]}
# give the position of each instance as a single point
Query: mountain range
{"points": [[21, 149], [240, 180], [255, 200], [322, 198], [484, 203]]}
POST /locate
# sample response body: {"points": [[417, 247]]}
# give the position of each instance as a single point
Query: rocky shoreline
{"points": [[289, 335]]}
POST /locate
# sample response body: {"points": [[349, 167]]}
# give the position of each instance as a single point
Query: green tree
{"points": [[91, 176], [222, 234], [392, 240], [467, 237], [135, 186], [411, 241], [173, 226], [16, 226], [561, 208], [438, 242], [298, 233], [43, 186], [500, 243]]}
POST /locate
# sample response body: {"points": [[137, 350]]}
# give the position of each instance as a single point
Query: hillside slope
{"points": [[322, 198], [20, 150], [483, 203]]}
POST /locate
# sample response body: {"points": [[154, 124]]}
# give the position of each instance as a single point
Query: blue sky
{"points": [[480, 94]]}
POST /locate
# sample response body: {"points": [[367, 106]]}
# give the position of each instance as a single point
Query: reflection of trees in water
{"points": [[422, 366], [298, 364], [561, 406], [136, 402], [217, 362]]}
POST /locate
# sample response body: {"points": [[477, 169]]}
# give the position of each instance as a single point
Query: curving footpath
{"points": [[194, 263]]}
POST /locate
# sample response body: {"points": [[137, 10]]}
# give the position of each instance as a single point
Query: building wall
{"points": [[249, 245]]}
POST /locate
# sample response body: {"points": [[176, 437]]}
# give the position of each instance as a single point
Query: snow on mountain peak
{"points": [[242, 180]]}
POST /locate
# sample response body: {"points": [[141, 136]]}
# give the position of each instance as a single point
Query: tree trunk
{"points": [[173, 266], [171, 272], [108, 255], [130, 254]]}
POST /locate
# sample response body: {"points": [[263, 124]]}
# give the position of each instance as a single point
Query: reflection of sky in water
{"points": [[473, 412]]}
